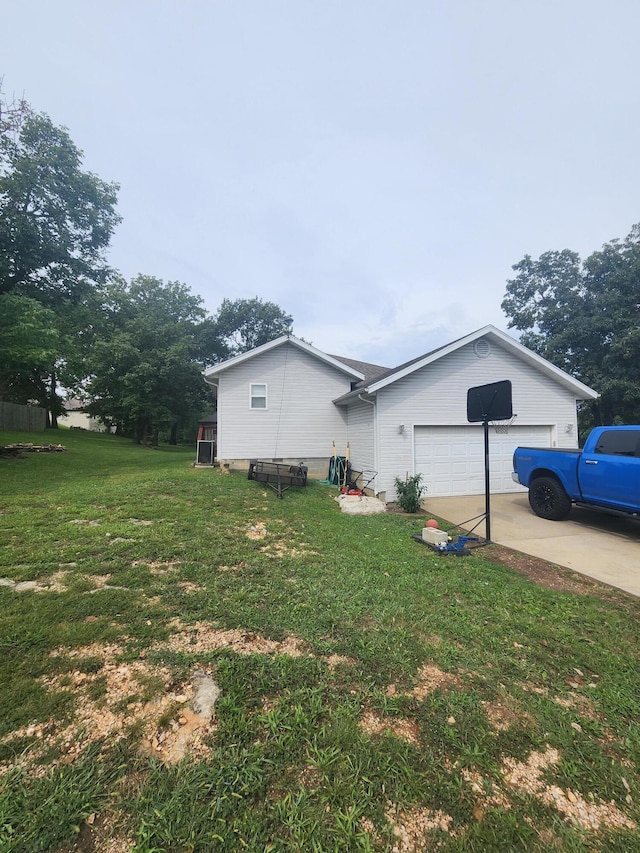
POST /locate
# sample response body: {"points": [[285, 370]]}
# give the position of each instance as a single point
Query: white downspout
{"points": [[375, 438]]}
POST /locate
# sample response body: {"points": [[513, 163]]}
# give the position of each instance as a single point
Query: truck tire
{"points": [[548, 499]]}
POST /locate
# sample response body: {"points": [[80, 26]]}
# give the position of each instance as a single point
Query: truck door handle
{"points": [[590, 461]]}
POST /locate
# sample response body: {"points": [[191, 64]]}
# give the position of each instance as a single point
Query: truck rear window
{"points": [[619, 443]]}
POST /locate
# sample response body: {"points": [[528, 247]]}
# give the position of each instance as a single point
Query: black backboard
{"points": [[490, 402]]}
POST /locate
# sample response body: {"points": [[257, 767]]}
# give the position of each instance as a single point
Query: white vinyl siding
{"points": [[300, 421], [362, 438], [361, 435], [451, 459], [436, 395]]}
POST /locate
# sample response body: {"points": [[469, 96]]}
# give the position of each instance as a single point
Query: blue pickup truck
{"points": [[605, 474]]}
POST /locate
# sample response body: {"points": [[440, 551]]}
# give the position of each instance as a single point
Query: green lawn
{"points": [[374, 695]]}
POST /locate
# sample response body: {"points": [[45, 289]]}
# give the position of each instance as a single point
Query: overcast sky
{"points": [[374, 168]]}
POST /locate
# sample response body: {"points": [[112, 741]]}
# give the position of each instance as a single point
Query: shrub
{"points": [[409, 492]]}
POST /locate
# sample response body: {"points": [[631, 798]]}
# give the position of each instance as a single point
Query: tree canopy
{"points": [[243, 324], [68, 322], [146, 365], [584, 316], [56, 221]]}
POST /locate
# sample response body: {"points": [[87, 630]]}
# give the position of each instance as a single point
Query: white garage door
{"points": [[451, 459]]}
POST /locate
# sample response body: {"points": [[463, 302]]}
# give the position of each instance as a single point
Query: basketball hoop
{"points": [[502, 427]]}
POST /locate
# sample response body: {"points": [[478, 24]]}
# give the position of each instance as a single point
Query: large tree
{"points": [[243, 324], [584, 316], [56, 221], [146, 366]]}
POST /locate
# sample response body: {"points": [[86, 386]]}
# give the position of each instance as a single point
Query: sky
{"points": [[373, 167]]}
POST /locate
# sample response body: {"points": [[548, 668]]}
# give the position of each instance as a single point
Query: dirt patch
{"points": [[337, 660], [372, 724], [236, 568], [525, 777], [281, 549], [580, 703], [189, 587], [430, 678], [410, 827], [57, 582], [173, 719], [586, 813], [257, 530], [157, 567], [201, 638], [502, 714]]}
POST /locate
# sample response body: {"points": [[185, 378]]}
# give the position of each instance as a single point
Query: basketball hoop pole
{"points": [[487, 499], [488, 403]]}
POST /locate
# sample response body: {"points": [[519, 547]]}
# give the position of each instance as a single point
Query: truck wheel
{"points": [[548, 499]]}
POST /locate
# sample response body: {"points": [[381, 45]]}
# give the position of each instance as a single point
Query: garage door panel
{"points": [[459, 467], [451, 459], [442, 450]]}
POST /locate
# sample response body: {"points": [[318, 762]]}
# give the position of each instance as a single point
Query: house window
{"points": [[258, 396]]}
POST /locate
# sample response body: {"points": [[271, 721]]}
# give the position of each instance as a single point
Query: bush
{"points": [[409, 492]]}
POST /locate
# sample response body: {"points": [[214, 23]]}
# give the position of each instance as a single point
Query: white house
{"points": [[75, 416], [287, 400]]}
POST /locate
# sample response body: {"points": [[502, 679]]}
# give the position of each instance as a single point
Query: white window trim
{"points": [[253, 397]]}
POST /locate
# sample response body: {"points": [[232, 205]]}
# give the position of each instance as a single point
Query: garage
{"points": [[451, 458]]}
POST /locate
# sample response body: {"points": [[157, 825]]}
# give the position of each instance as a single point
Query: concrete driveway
{"points": [[605, 547]]}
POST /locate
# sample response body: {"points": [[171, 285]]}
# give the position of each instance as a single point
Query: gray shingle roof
{"points": [[370, 371]]}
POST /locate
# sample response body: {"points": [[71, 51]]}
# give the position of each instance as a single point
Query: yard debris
{"points": [[18, 450], [360, 505]]}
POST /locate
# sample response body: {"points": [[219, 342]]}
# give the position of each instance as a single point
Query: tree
{"points": [[146, 366], [56, 221], [244, 324], [12, 113], [29, 342], [584, 316]]}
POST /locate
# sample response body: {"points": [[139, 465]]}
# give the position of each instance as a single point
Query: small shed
{"points": [[206, 442]]}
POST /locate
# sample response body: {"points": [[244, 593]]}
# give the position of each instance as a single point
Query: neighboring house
{"points": [[288, 400], [76, 417]]}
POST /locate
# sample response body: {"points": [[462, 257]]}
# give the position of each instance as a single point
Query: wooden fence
{"points": [[22, 418]]}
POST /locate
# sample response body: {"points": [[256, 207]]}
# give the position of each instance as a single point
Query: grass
{"points": [[374, 695]]}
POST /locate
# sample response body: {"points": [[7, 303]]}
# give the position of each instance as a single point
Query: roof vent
{"points": [[482, 348]]}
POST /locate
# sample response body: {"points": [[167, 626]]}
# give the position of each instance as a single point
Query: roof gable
{"points": [[343, 367], [581, 391]]}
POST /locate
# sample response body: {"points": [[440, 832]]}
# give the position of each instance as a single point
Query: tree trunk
{"points": [[54, 404], [173, 438]]}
